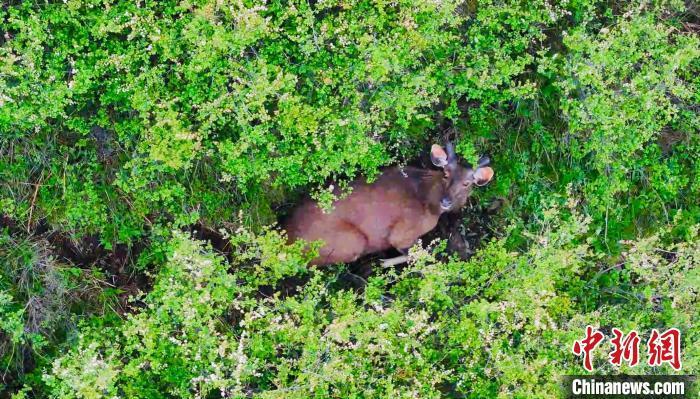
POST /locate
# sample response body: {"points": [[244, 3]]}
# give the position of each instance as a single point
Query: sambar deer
{"points": [[393, 211]]}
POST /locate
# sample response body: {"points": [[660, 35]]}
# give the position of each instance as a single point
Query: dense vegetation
{"points": [[126, 125]]}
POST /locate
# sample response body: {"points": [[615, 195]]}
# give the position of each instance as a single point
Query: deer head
{"points": [[458, 180]]}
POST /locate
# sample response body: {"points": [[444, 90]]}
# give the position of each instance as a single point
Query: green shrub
{"points": [[631, 89], [128, 115], [498, 325], [40, 299], [128, 121]]}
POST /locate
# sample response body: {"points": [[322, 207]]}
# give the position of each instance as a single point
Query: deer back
{"points": [[400, 205]]}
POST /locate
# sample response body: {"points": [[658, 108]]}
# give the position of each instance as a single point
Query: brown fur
{"points": [[394, 211]]}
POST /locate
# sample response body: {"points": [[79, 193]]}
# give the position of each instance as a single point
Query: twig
{"points": [[31, 206]]}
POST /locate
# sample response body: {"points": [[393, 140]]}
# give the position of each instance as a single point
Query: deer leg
{"points": [[403, 258], [402, 237], [394, 261], [401, 246], [349, 244]]}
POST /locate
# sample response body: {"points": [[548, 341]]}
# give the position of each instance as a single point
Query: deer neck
{"points": [[429, 189]]}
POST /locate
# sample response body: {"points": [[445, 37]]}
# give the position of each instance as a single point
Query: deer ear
{"points": [[483, 176], [438, 156]]}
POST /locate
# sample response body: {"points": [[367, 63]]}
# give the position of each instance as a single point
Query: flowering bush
{"points": [[498, 325], [127, 124], [173, 112]]}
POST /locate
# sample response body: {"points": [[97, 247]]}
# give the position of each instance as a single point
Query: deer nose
{"points": [[445, 204]]}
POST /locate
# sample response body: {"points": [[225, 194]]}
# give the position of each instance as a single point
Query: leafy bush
{"points": [[493, 326], [39, 299], [616, 119], [129, 115], [129, 122], [631, 91]]}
